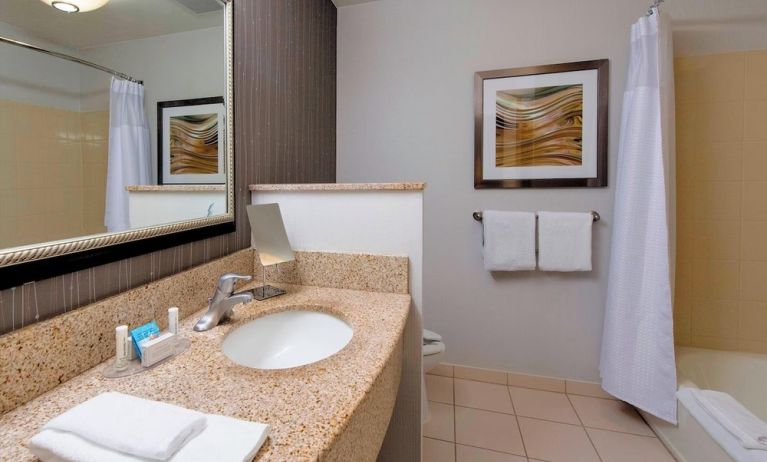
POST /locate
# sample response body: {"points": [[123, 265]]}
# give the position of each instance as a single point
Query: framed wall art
{"points": [[190, 141], [542, 126]]}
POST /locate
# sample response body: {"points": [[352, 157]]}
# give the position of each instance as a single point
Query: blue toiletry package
{"points": [[147, 331]]}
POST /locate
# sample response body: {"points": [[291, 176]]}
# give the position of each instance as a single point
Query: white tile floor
{"points": [[488, 419]]}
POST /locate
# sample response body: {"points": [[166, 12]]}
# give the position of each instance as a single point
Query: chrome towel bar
{"points": [[478, 215]]}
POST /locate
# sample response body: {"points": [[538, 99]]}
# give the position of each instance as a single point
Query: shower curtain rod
{"points": [[70, 58]]}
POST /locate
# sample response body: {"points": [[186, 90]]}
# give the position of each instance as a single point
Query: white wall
{"points": [[30, 77], [405, 112], [176, 66]]}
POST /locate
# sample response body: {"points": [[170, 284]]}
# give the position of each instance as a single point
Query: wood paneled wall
{"points": [[285, 118]]}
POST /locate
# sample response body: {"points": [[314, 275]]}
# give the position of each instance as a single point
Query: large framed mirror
{"points": [[116, 130]]}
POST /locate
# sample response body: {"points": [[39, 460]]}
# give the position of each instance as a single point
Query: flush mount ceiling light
{"points": [[75, 6]]}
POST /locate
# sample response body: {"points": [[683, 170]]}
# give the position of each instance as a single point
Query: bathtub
{"points": [[742, 375]]}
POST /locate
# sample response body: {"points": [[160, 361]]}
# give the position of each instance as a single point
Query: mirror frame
{"points": [[19, 265]]}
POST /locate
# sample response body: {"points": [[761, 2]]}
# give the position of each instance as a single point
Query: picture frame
{"points": [[191, 141], [542, 126]]}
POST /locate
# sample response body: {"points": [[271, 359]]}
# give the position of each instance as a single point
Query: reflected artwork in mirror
{"points": [[115, 129]]}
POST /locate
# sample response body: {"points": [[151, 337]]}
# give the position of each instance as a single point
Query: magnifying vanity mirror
{"points": [[116, 133]]}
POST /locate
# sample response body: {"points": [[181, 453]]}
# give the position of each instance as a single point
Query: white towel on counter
{"points": [[224, 439], [509, 239], [564, 241], [131, 425], [734, 417]]}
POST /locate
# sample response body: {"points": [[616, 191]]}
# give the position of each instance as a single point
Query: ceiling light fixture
{"points": [[76, 6]]}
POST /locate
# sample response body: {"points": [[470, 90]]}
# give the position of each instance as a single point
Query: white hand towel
{"points": [[564, 241], [734, 417], [131, 425], [509, 240], [224, 440]]}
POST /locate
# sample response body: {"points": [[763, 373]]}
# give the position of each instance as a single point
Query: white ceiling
{"points": [[118, 21]]}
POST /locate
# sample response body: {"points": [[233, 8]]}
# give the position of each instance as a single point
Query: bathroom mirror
{"points": [[116, 133]]}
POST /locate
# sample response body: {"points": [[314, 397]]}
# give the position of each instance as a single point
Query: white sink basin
{"points": [[287, 339]]}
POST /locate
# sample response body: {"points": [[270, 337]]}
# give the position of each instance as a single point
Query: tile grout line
{"points": [[596, 451], [516, 418]]}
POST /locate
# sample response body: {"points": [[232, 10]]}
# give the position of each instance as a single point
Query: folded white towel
{"points": [[223, 440], [734, 417], [509, 240], [564, 241], [131, 425]]}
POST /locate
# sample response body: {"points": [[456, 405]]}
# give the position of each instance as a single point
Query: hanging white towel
{"points": [[131, 425], [637, 361], [224, 440], [750, 430], [564, 241], [509, 240]]}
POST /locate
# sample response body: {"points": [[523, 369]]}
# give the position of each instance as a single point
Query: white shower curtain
{"points": [[129, 150], [637, 361]]}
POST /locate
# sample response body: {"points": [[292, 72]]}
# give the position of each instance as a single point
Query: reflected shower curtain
{"points": [[637, 360], [129, 150]]}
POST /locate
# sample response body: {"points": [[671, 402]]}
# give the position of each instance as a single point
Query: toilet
{"points": [[433, 350]]}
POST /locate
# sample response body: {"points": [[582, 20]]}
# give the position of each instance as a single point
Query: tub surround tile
{"points": [[329, 410], [340, 187], [375, 273]]}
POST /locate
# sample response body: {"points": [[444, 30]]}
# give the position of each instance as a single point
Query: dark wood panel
{"points": [[285, 117]]}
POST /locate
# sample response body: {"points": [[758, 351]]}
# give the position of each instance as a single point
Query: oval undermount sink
{"points": [[287, 339]]}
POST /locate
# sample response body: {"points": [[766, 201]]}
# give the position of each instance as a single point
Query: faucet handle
{"points": [[227, 282]]}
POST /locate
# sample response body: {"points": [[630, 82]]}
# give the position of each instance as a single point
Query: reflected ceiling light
{"points": [[75, 6]]}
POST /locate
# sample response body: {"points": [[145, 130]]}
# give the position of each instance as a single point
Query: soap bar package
{"points": [[142, 333]]}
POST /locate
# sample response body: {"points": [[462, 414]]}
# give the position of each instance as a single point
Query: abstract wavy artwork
{"points": [[539, 126], [194, 144]]}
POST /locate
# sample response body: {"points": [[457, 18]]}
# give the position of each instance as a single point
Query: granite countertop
{"points": [[307, 407], [176, 188], [339, 187]]}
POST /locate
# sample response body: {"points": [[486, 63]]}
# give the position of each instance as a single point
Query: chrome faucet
{"points": [[221, 304]]}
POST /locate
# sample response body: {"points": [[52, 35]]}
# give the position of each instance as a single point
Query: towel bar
{"points": [[478, 215]]}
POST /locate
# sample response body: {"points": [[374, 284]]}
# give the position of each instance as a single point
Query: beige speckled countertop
{"points": [[176, 187], [339, 187], [308, 407]]}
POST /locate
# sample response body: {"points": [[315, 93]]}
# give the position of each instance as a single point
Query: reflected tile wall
{"points": [[721, 103]]}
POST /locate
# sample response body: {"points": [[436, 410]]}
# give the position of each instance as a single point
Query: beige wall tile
{"points": [[755, 119], [536, 382], [716, 279], [479, 374], [715, 318], [753, 321], [682, 317], [752, 346], [719, 161], [717, 239], [755, 72], [755, 160], [575, 387], [714, 343], [721, 77], [717, 200], [754, 281], [720, 121], [755, 200], [754, 240], [687, 79]]}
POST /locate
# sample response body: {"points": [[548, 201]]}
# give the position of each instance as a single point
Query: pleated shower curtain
{"points": [[129, 159], [637, 359]]}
